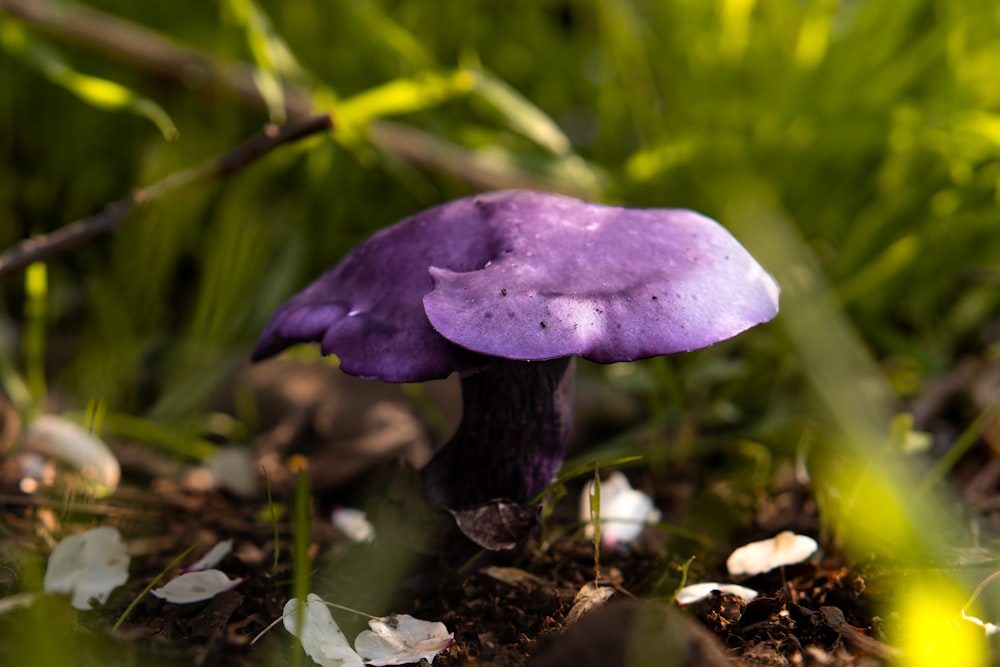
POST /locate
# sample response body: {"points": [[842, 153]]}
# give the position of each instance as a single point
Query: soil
{"points": [[503, 610], [536, 604]]}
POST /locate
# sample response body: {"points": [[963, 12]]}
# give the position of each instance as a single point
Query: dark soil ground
{"points": [[536, 605], [508, 612]]}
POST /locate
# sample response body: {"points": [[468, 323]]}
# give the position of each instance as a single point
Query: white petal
{"points": [[66, 562], [695, 592], [196, 586], [88, 565], [353, 524], [59, 438], [625, 512], [785, 548], [321, 637], [401, 640], [212, 558], [234, 469], [16, 601]]}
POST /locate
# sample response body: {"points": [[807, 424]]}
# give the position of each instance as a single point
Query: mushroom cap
{"points": [[526, 276]]}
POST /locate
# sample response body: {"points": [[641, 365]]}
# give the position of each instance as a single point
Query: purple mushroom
{"points": [[505, 288]]}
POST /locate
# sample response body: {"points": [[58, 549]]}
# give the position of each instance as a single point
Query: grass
{"points": [[853, 147]]}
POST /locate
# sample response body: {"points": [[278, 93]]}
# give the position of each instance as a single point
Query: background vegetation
{"points": [[854, 146]]}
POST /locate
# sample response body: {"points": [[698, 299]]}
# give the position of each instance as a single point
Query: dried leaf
{"points": [[498, 525], [588, 598]]}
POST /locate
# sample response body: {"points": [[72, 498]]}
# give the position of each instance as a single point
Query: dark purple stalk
{"points": [[516, 422]]}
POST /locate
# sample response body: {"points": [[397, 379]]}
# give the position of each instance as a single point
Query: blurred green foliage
{"points": [[872, 128], [854, 146]]}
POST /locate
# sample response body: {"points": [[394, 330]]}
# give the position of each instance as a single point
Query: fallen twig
{"points": [[75, 234], [834, 619]]}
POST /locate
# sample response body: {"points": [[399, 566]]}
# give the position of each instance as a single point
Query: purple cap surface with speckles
{"points": [[530, 276]]}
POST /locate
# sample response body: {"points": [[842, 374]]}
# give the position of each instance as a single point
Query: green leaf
{"points": [[269, 52], [399, 96], [374, 21], [95, 91], [520, 113]]}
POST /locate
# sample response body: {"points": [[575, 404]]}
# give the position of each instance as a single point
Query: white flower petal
{"points": [[354, 524], [16, 601], [234, 469], [785, 548], [401, 640], [88, 565], [694, 592], [625, 512], [196, 586], [212, 558], [59, 438], [321, 638]]}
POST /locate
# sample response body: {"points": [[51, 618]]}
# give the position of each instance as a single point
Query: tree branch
{"points": [[75, 234]]}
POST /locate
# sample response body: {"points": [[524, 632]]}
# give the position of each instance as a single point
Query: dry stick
{"points": [[151, 51], [428, 153], [77, 233]]}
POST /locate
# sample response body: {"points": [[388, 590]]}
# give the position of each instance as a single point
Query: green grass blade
{"points": [[95, 91]]}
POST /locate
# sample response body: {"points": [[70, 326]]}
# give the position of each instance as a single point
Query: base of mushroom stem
{"points": [[514, 433]]}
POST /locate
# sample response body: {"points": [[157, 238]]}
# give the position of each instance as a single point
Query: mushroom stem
{"points": [[515, 429]]}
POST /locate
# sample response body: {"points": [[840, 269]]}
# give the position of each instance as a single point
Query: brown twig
{"points": [[75, 234], [428, 153], [834, 619]]}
